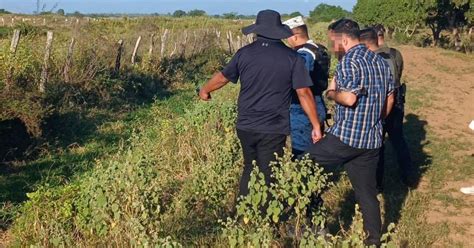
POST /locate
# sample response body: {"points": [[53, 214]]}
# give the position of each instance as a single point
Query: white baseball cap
{"points": [[295, 22]]}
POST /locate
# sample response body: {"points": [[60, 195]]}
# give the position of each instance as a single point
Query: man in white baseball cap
{"points": [[317, 61]]}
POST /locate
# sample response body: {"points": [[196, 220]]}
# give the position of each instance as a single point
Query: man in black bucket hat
{"points": [[268, 71]]}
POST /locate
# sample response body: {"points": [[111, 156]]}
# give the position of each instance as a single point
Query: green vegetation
{"points": [[133, 159], [327, 13], [406, 17]]}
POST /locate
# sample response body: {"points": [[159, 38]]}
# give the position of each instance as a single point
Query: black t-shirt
{"points": [[268, 72]]}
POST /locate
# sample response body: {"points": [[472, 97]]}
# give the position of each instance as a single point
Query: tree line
{"points": [[437, 15]]}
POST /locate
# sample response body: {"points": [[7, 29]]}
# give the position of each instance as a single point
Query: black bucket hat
{"points": [[268, 24]]}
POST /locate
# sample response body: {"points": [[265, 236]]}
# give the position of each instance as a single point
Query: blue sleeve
{"points": [[309, 60]]}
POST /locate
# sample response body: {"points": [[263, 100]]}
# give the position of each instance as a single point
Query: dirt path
{"points": [[446, 80]]}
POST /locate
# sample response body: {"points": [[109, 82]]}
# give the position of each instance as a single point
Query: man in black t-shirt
{"points": [[268, 72]]}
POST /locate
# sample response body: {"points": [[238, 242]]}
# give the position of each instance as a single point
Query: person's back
{"points": [[395, 60], [268, 72], [266, 77]]}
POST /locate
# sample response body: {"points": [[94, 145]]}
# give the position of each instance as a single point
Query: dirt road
{"points": [[442, 86]]}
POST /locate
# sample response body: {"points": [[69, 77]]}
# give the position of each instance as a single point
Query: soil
{"points": [[448, 79]]}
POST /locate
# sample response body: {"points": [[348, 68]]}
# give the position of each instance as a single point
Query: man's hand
{"points": [[216, 82], [205, 96], [316, 134]]}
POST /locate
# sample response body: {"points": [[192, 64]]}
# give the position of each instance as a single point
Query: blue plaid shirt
{"points": [[367, 75]]}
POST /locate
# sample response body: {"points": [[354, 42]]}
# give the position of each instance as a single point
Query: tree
{"points": [[3, 11], [392, 13], [438, 15], [77, 14], [196, 12], [326, 13], [295, 14], [231, 15], [445, 14], [60, 12], [179, 13]]}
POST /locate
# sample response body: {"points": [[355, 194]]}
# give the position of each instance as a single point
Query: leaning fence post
{"points": [[47, 55], [163, 43], [152, 46], [15, 40], [68, 64], [134, 54], [13, 47], [119, 57]]}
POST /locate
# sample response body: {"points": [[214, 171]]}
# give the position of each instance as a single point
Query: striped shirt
{"points": [[367, 75]]}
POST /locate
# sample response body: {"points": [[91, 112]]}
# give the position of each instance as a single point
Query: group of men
{"points": [[282, 91]]}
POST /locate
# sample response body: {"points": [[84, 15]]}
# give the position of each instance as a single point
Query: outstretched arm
{"points": [[216, 82]]}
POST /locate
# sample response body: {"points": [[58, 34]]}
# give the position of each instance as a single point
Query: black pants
{"points": [[394, 128], [261, 148], [361, 165]]}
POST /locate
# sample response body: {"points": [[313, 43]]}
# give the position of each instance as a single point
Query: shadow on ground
{"points": [[395, 192]]}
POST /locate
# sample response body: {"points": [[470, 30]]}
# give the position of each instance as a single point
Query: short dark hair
{"points": [[301, 30], [347, 27], [369, 35], [380, 29]]}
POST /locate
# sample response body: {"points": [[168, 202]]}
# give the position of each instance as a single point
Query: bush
{"points": [[423, 40], [286, 202], [175, 170], [401, 38]]}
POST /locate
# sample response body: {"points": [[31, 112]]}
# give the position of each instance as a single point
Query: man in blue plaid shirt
{"points": [[362, 89]]}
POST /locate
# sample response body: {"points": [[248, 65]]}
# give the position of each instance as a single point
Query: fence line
{"points": [[185, 44]]}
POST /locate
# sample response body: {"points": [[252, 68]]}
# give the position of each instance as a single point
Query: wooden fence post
{"points": [[163, 43], [68, 64], [229, 41], [47, 55], [134, 54], [15, 40], [119, 57], [174, 50], [239, 42], [13, 47], [152, 46], [183, 44]]}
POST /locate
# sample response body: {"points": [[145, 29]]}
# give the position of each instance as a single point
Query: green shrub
{"points": [[401, 38], [286, 202], [175, 169]]}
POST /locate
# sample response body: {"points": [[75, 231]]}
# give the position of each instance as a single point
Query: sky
{"points": [[246, 7]]}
